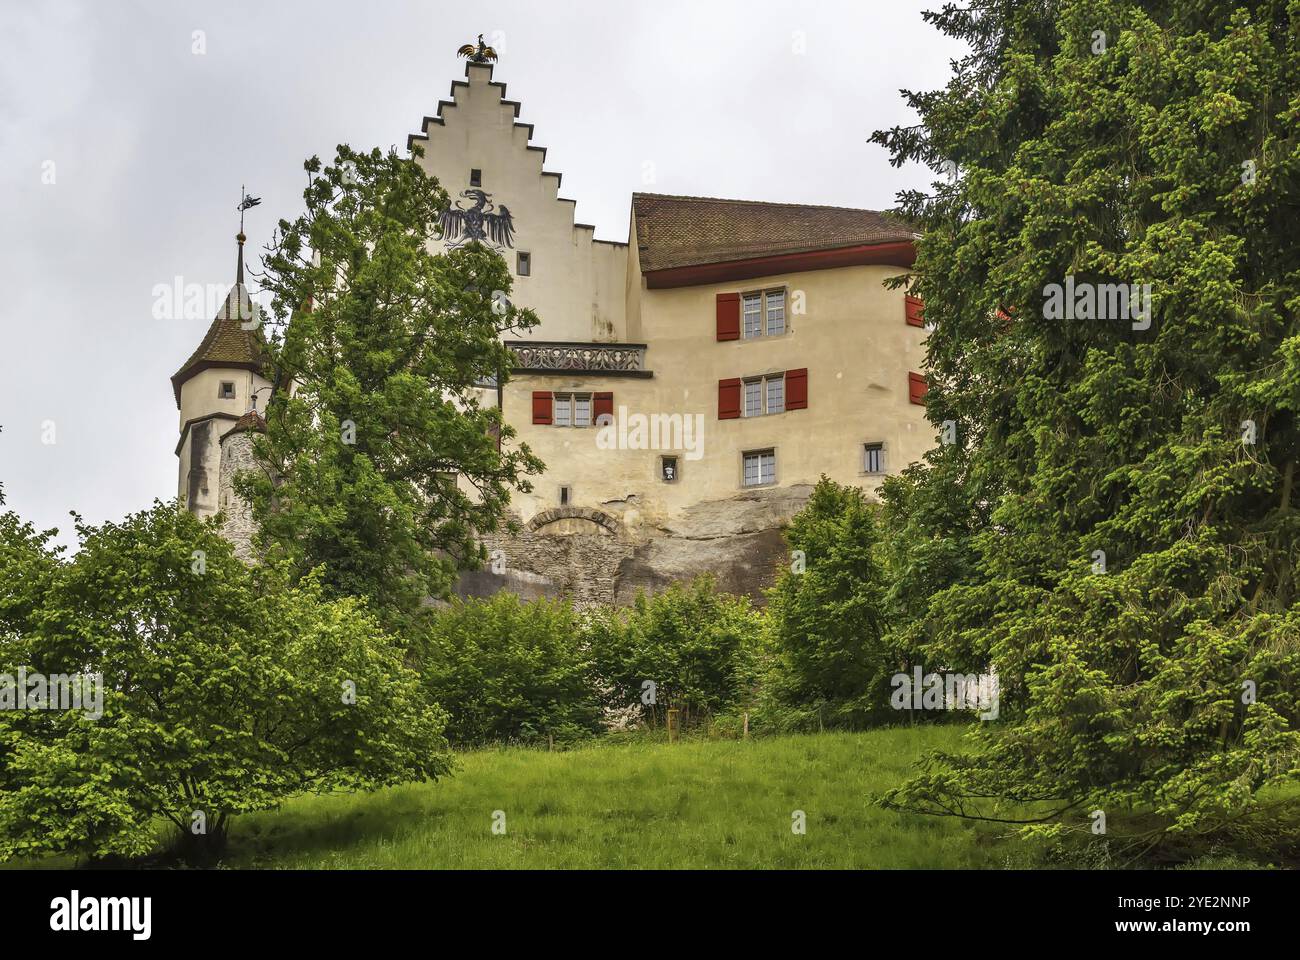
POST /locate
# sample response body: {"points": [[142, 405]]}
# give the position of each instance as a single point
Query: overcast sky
{"points": [[147, 141]]}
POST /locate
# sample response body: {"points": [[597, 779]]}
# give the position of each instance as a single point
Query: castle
{"points": [[685, 389]]}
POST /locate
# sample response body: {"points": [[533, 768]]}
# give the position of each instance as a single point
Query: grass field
{"points": [[716, 804]]}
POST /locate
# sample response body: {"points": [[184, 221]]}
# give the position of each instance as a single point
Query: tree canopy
{"points": [[383, 462], [1114, 528]]}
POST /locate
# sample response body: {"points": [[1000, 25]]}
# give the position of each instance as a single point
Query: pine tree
{"points": [[1116, 519], [831, 660]]}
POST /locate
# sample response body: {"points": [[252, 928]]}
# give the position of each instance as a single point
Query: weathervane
{"points": [[245, 203], [482, 54]]}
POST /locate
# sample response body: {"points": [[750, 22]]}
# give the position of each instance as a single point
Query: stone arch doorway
{"points": [[568, 521]]}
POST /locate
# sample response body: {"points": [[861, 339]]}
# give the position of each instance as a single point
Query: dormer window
{"points": [[475, 177], [227, 390]]}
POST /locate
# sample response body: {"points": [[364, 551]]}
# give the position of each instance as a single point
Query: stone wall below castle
{"points": [[588, 556]]}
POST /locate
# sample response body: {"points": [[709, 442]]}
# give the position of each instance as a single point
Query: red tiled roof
{"points": [[676, 232], [249, 421]]}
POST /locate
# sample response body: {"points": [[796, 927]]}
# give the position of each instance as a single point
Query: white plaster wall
{"points": [[577, 284]]}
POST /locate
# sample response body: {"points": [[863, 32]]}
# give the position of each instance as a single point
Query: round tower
{"points": [[214, 388]]}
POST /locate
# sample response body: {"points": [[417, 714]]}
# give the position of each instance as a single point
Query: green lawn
{"points": [[638, 804]]}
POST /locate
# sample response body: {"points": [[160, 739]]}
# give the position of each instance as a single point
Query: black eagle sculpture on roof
{"points": [[482, 220], [480, 54]]}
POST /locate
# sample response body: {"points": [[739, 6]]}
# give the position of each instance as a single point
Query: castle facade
{"points": [[685, 389]]}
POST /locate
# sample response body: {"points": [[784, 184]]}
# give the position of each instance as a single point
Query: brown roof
{"points": [[687, 231], [227, 343], [249, 421]]}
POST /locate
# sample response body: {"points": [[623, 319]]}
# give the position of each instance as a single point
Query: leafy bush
{"points": [[510, 670], [224, 691], [695, 645], [829, 654]]}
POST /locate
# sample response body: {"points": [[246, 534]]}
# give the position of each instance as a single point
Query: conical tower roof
{"points": [[227, 344]]}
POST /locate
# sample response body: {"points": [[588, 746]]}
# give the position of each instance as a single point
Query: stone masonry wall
{"points": [[238, 526], [591, 557]]}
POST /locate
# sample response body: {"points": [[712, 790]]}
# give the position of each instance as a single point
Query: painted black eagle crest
{"points": [[482, 220]]}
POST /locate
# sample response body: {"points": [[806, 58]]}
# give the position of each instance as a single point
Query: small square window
{"points": [[523, 264], [227, 391], [668, 469], [759, 468], [475, 177], [572, 410], [873, 458]]}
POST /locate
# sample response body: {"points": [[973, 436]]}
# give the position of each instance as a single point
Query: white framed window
{"points": [[775, 312], [572, 410], [752, 312], [873, 458], [759, 468], [763, 313], [765, 395], [775, 394]]}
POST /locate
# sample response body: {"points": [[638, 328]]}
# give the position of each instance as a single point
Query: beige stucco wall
{"points": [[852, 339], [854, 342], [200, 398], [577, 283], [200, 394]]}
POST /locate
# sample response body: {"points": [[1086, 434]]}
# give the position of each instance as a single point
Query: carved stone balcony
{"points": [[567, 358]]}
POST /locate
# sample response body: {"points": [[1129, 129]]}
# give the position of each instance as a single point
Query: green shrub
{"points": [[224, 691], [829, 658], [507, 670], [688, 648]]}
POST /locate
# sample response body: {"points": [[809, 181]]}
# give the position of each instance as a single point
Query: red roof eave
{"points": [[898, 254]]}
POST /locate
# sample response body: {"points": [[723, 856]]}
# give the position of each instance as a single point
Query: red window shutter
{"points": [[796, 389], [916, 387], [603, 406], [728, 399], [728, 316], [541, 406], [913, 307]]}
